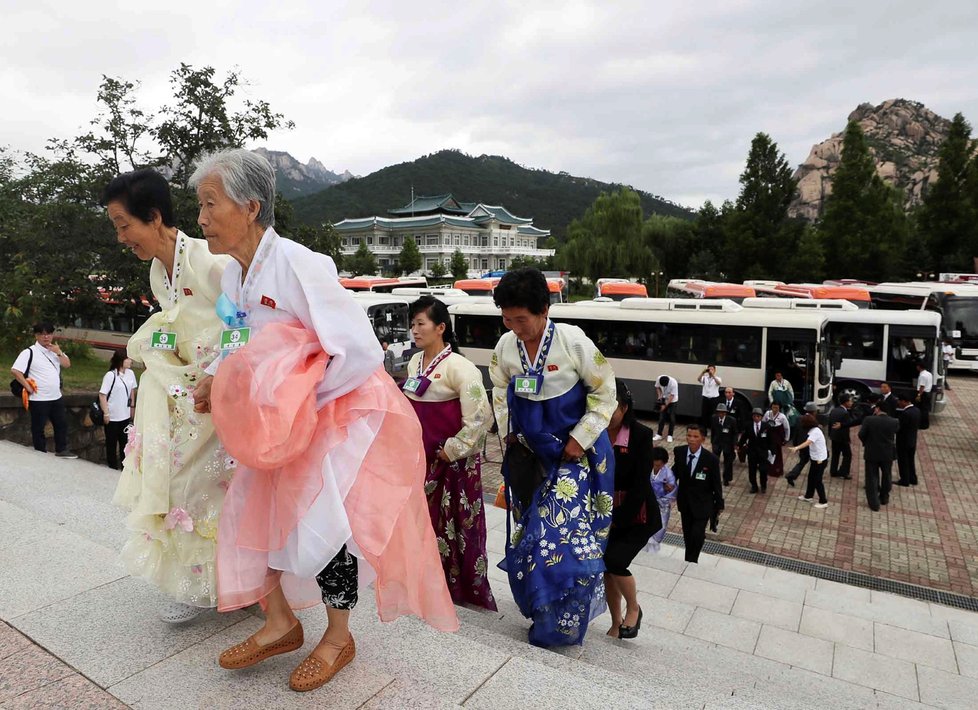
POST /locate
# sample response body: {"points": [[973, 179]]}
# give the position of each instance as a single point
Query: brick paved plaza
{"points": [[927, 535]]}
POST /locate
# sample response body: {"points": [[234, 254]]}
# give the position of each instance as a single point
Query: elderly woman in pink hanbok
{"points": [[328, 494]]}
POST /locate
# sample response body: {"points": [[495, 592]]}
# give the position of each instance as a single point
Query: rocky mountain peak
{"points": [[294, 178], [904, 137]]}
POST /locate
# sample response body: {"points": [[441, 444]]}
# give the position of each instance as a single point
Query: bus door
{"points": [[908, 345], [390, 322], [791, 351]]}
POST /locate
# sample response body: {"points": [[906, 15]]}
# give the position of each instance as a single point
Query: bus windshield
{"points": [[961, 314]]}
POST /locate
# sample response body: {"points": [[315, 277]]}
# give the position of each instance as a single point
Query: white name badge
{"points": [[163, 340], [527, 384], [701, 476], [234, 338]]}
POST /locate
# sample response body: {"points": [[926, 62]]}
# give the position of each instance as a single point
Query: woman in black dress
{"points": [[635, 517]]}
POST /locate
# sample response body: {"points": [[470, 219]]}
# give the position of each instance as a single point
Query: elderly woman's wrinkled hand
{"points": [[572, 451], [202, 395]]}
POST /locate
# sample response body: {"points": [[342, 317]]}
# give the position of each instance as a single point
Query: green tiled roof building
{"points": [[489, 236]]}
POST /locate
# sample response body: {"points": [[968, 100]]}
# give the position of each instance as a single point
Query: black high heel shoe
{"points": [[630, 632]]}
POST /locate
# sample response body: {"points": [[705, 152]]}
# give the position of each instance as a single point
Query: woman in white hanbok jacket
{"points": [[329, 490]]}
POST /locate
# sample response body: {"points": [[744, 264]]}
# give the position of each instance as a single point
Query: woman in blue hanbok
{"points": [[553, 396]]}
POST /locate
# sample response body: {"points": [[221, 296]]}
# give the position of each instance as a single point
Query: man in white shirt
{"points": [[947, 354], [711, 394], [925, 384], [38, 370], [667, 396]]}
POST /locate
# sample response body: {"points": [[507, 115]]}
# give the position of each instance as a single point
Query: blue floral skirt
{"points": [[555, 548]]}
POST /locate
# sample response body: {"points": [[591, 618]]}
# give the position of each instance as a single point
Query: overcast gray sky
{"points": [[665, 96]]}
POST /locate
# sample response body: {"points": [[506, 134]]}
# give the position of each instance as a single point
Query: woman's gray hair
{"points": [[245, 176]]}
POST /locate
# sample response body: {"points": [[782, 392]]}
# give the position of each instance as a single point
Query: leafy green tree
{"points": [[201, 120], [438, 270], [520, 261], [607, 239], [409, 259], [459, 265], [58, 248], [758, 232], [673, 242], [323, 239], [863, 231], [362, 262], [948, 218], [807, 261]]}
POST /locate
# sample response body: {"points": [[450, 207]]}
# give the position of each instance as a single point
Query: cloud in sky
{"points": [[665, 96]]}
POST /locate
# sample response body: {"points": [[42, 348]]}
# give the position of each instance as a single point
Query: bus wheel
{"points": [[856, 391]]}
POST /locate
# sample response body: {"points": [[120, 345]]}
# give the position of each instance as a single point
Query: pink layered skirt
{"points": [[311, 480]]}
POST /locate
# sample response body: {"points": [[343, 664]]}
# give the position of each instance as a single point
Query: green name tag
{"points": [[527, 384], [234, 338], [163, 340], [701, 476]]}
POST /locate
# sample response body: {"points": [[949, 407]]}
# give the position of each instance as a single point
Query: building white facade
{"points": [[488, 235]]}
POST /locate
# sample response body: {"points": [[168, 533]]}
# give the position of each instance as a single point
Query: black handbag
{"points": [[95, 412], [525, 472], [17, 389]]}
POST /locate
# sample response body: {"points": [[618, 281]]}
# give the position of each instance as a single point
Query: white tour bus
{"points": [[388, 313], [644, 338], [871, 346], [956, 302]]}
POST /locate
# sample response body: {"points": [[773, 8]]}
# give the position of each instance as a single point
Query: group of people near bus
{"points": [[272, 459], [887, 427]]}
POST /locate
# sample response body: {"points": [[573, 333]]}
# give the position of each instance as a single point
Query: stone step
{"points": [[723, 634]]}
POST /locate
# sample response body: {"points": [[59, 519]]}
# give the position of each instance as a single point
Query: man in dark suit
{"points": [[906, 439], [699, 497], [878, 434], [734, 408], [840, 421], [758, 444], [723, 440], [888, 400]]}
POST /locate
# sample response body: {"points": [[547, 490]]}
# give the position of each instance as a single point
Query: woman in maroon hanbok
{"points": [[449, 398]]}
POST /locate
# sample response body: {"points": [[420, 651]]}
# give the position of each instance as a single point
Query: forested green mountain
{"points": [[551, 199]]}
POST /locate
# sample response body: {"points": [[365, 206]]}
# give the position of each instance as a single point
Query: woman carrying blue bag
{"points": [[553, 394]]}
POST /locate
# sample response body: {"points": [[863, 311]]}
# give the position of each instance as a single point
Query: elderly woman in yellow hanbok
{"points": [[175, 472]]}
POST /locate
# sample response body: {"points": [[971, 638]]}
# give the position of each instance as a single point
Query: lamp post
{"points": [[658, 275]]}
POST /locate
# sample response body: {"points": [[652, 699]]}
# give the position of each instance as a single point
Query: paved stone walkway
{"points": [[927, 535], [32, 678]]}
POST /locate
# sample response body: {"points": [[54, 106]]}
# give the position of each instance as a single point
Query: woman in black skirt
{"points": [[635, 517]]}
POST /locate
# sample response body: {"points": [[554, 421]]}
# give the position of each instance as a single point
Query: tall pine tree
{"points": [[863, 229], [947, 219], [759, 234]]}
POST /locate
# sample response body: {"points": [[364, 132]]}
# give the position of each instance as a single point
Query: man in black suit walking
{"points": [[906, 440], [699, 497], [878, 434], [840, 421], [888, 400], [723, 440], [755, 438]]}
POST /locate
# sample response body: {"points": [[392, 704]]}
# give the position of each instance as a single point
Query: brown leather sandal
{"points": [[250, 652], [314, 672]]}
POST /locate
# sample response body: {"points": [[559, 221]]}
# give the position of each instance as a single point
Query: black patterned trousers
{"points": [[338, 581]]}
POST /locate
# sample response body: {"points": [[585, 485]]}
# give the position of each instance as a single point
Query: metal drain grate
{"points": [[856, 579]]}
